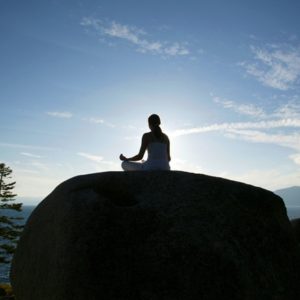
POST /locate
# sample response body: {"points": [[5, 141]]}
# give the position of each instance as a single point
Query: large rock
{"points": [[157, 236], [296, 228]]}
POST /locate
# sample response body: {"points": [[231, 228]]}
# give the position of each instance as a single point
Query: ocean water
{"points": [[292, 211]]}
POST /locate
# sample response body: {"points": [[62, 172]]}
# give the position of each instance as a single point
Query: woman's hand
{"points": [[122, 157]]}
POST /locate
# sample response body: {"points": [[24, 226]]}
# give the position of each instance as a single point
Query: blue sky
{"points": [[78, 80]]}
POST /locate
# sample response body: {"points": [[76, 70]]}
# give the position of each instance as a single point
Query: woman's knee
{"points": [[131, 166], [124, 165]]}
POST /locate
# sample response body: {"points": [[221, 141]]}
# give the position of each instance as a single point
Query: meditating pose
{"points": [[157, 145]]}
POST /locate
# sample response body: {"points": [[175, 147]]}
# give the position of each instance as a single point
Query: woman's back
{"points": [[157, 150]]}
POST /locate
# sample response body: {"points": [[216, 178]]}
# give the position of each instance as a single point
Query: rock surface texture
{"points": [[157, 236], [296, 228]]}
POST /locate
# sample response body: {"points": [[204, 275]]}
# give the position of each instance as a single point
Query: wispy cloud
{"points": [[276, 66], [57, 114], [31, 147], [100, 121], [286, 140], [244, 109], [30, 155], [296, 158], [92, 157], [279, 127], [136, 37], [283, 123], [99, 163], [288, 110], [96, 120]]}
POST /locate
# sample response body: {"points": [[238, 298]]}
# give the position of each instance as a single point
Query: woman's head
{"points": [[154, 122]]}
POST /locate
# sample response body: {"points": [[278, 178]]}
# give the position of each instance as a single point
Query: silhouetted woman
{"points": [[157, 145]]}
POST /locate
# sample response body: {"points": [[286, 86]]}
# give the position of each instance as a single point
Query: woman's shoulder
{"points": [[147, 135], [166, 138], [163, 139]]}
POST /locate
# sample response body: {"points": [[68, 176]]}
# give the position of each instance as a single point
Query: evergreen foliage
{"points": [[10, 228]]}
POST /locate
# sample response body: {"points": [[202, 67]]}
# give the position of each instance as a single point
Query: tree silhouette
{"points": [[10, 228]]}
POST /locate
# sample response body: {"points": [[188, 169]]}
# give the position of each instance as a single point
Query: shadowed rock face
{"points": [[296, 228], [157, 236]]}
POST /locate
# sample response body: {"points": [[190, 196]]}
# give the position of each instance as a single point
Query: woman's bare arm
{"points": [[141, 153]]}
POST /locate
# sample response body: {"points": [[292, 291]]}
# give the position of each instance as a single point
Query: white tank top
{"points": [[157, 157], [157, 150]]}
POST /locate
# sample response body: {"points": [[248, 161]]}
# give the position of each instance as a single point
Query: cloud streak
{"points": [[295, 158], [244, 109], [31, 147], [99, 121], [279, 127], [99, 164], [283, 123], [135, 37], [92, 157], [277, 66], [57, 114], [288, 110], [284, 120], [286, 140], [30, 155]]}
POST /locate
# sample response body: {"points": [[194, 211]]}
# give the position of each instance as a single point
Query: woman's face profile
{"points": [[150, 126]]}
